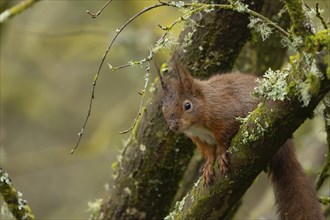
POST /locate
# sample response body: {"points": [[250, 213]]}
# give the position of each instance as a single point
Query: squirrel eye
{"points": [[187, 106]]}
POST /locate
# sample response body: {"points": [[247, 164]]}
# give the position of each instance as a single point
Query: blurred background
{"points": [[49, 56]]}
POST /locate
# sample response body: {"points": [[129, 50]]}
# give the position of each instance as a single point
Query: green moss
{"points": [[313, 83], [114, 165], [292, 87], [298, 17], [304, 77], [134, 130], [324, 200], [164, 68], [294, 58], [318, 41], [261, 122], [327, 62]]}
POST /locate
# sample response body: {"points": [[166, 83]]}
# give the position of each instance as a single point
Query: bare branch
{"points": [[100, 11]]}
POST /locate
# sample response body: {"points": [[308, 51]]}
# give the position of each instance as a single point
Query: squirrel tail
{"points": [[294, 193]]}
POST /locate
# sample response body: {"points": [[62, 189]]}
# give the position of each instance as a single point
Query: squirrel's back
{"points": [[227, 97]]}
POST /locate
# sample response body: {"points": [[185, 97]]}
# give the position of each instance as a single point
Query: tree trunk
{"points": [[151, 166]]}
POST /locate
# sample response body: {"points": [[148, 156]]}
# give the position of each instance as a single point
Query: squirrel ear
{"points": [[185, 78], [164, 85], [187, 82]]}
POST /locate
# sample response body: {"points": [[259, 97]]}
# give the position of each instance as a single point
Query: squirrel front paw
{"points": [[223, 163], [208, 173]]}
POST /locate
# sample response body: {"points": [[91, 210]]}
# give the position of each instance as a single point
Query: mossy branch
{"points": [[13, 198], [263, 132], [301, 25], [17, 9]]}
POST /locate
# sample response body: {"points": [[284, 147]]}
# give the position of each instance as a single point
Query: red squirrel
{"points": [[207, 110]]}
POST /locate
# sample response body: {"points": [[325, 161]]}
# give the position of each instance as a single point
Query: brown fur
{"points": [[294, 192], [212, 122]]}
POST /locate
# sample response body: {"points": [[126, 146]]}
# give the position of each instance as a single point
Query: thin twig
{"points": [[119, 67], [271, 23], [318, 15], [142, 101], [97, 75], [160, 40], [136, 118], [100, 11]]}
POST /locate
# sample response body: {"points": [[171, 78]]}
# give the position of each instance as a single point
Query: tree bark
{"points": [[151, 166]]}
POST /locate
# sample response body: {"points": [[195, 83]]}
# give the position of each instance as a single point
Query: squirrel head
{"points": [[182, 100]]}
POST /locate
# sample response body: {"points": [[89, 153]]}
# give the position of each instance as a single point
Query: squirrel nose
{"points": [[173, 125]]}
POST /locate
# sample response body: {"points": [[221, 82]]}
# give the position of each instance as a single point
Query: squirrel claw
{"points": [[208, 174], [223, 163], [208, 179]]}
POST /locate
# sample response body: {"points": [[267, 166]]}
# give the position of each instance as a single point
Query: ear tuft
{"points": [[164, 85], [185, 78]]}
